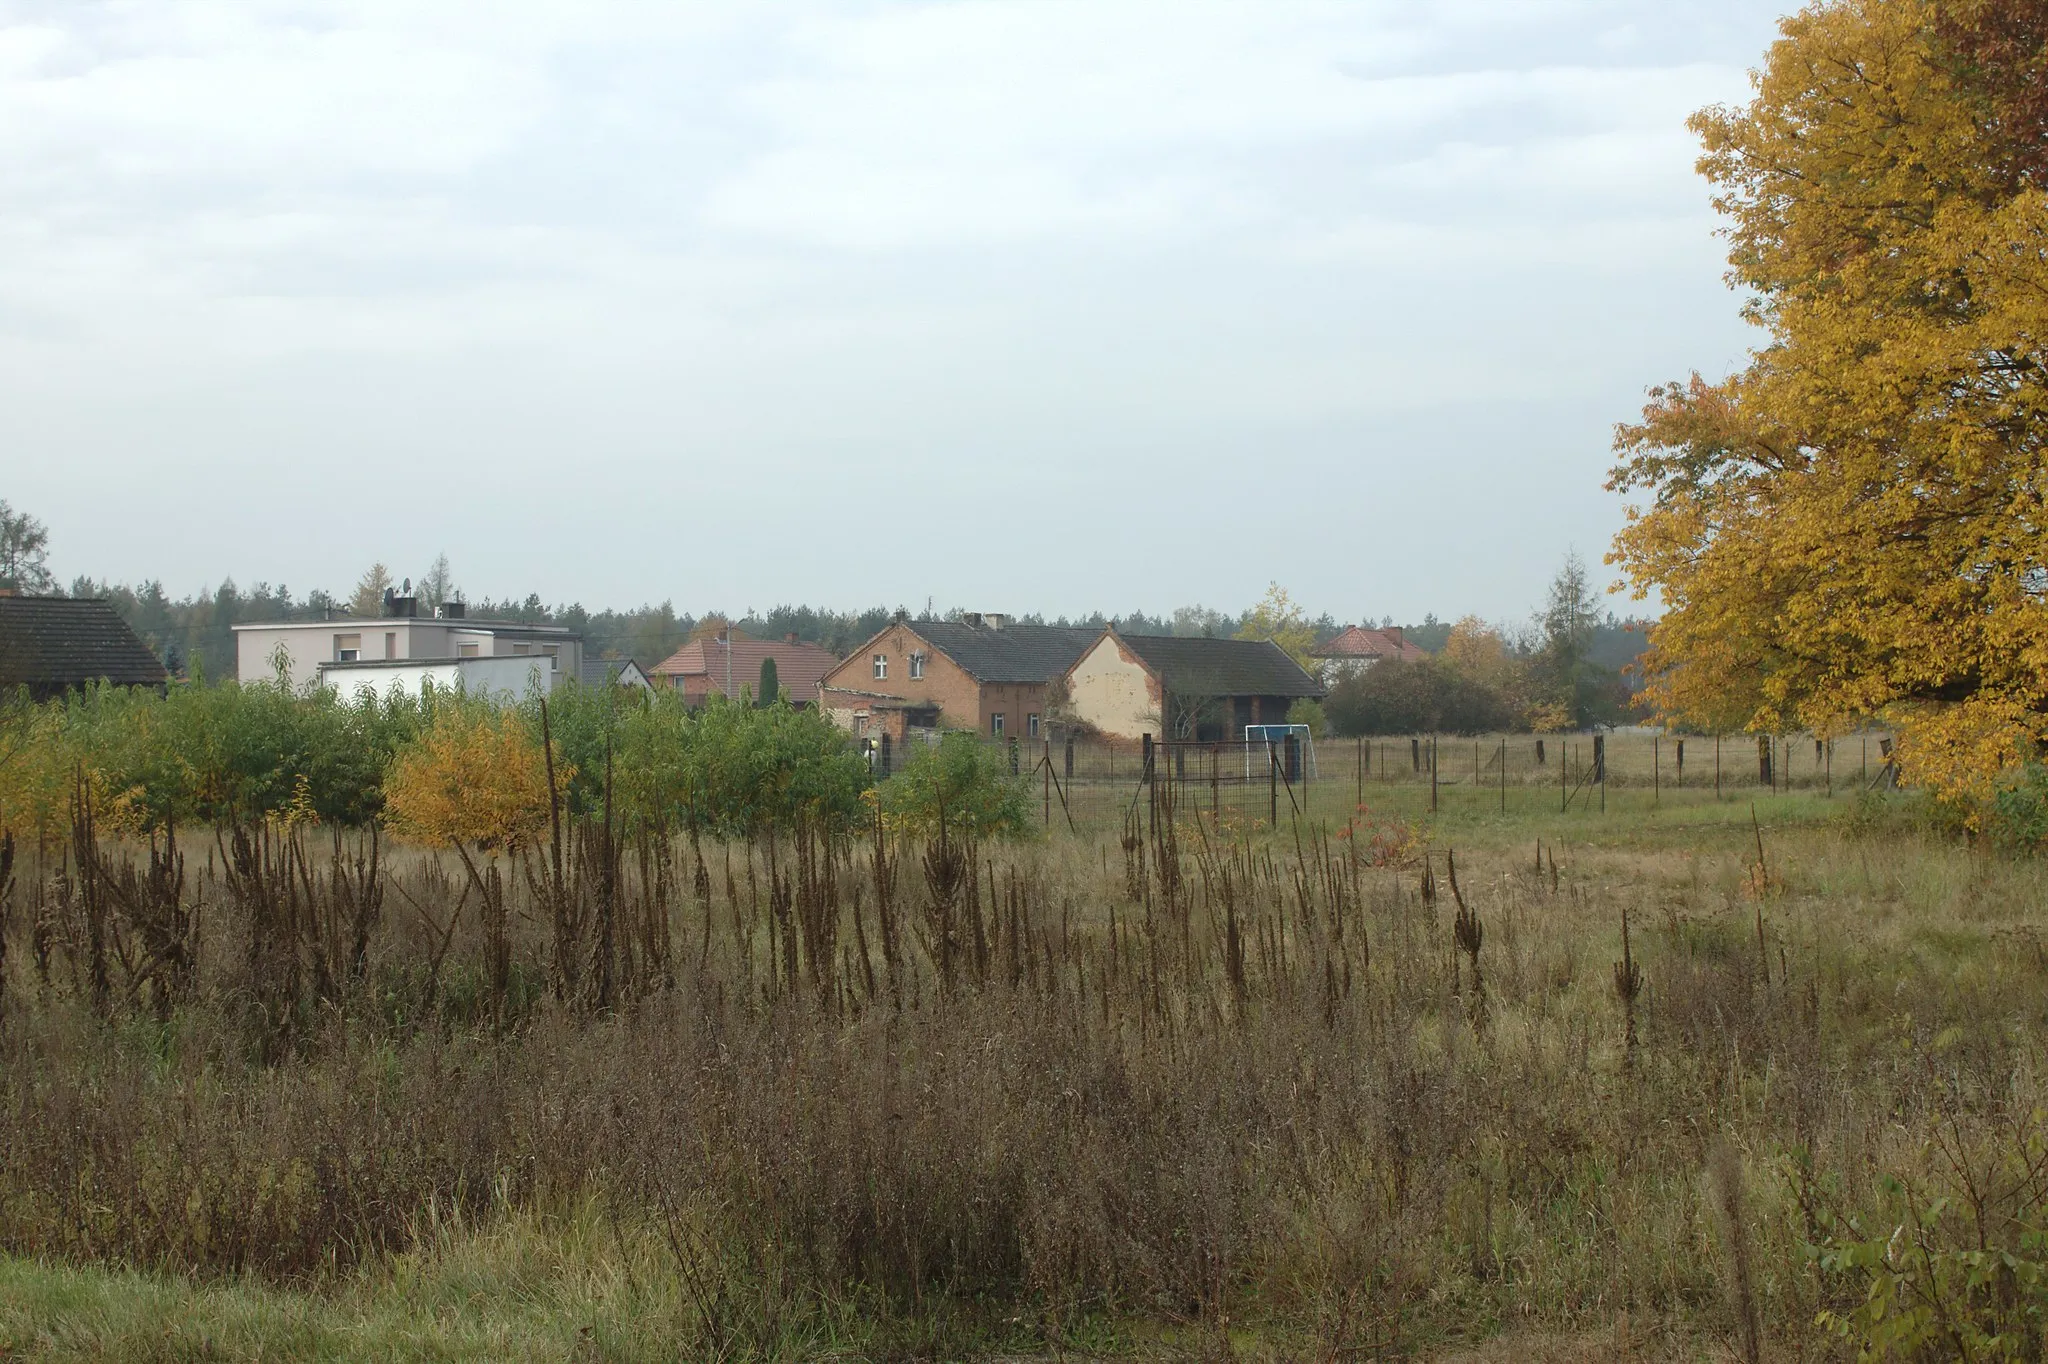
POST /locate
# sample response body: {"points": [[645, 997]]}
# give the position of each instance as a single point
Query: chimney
{"points": [[451, 610], [971, 619], [400, 608], [790, 638], [994, 620]]}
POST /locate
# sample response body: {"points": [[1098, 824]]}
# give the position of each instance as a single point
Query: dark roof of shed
{"points": [[51, 644], [1200, 666], [1009, 653], [600, 672]]}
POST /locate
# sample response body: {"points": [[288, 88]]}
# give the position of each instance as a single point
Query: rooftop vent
{"points": [[450, 610], [400, 608]]}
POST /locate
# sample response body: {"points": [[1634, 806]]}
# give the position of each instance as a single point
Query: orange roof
{"points": [[1362, 642], [699, 667]]}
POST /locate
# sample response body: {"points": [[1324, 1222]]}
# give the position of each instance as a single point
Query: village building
{"points": [[727, 662], [983, 672], [615, 672], [506, 679], [52, 645], [310, 650], [1358, 647], [1182, 688]]}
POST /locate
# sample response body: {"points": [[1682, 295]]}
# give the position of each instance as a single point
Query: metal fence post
{"points": [[1272, 785]]}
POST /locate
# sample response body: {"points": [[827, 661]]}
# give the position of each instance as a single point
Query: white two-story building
{"points": [[402, 648]]}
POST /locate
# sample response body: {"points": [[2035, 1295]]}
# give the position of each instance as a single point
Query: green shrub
{"points": [[962, 785], [2019, 813]]}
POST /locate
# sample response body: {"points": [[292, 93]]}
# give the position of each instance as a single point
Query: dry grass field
{"points": [[1364, 1085]]}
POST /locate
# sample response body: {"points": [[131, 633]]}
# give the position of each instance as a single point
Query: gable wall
{"points": [[1111, 690]]}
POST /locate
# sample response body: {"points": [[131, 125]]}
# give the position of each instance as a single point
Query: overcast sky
{"points": [[1011, 304]]}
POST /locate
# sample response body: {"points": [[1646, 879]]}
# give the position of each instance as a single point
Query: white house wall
{"points": [[1111, 690], [507, 678]]}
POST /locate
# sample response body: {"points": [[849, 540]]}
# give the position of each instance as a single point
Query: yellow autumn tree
{"points": [[1852, 525], [1278, 619], [474, 778], [1477, 651]]}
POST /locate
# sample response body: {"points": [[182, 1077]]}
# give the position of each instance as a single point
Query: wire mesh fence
{"points": [[1087, 781]]}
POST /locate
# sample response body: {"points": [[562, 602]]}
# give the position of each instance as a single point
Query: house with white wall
{"points": [[337, 652]]}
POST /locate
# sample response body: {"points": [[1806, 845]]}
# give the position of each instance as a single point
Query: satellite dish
{"points": [[408, 585]]}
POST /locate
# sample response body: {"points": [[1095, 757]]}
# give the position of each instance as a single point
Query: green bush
{"points": [[2019, 813], [962, 785]]}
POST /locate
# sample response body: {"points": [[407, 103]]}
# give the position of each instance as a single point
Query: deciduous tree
{"points": [[24, 546], [1278, 619], [1853, 524]]}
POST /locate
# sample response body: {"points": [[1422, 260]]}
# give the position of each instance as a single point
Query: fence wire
{"points": [[1089, 781]]}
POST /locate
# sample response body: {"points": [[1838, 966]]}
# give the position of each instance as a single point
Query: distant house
{"points": [[312, 650], [983, 672], [52, 645], [1359, 647], [614, 672], [1175, 687], [729, 662]]}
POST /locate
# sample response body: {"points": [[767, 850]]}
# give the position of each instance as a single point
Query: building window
{"points": [[881, 666], [995, 724], [554, 654], [522, 649], [465, 651], [1031, 725], [390, 644], [916, 666], [348, 648], [860, 726]]}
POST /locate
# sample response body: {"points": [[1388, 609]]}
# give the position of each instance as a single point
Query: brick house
{"points": [[1359, 647], [701, 667], [1173, 687], [981, 672]]}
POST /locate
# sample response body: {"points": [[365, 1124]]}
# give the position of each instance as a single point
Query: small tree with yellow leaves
{"points": [[475, 781], [1278, 619]]}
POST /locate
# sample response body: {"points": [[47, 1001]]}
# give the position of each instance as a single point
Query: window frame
{"points": [[1031, 724], [881, 666], [995, 724], [917, 665], [345, 652]]}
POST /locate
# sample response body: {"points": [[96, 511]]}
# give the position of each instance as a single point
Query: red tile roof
{"points": [[699, 667], [1363, 642]]}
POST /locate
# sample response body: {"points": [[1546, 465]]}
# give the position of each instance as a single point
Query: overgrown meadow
{"points": [[431, 1029]]}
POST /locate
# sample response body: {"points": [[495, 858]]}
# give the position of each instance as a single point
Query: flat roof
{"points": [[490, 627]]}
